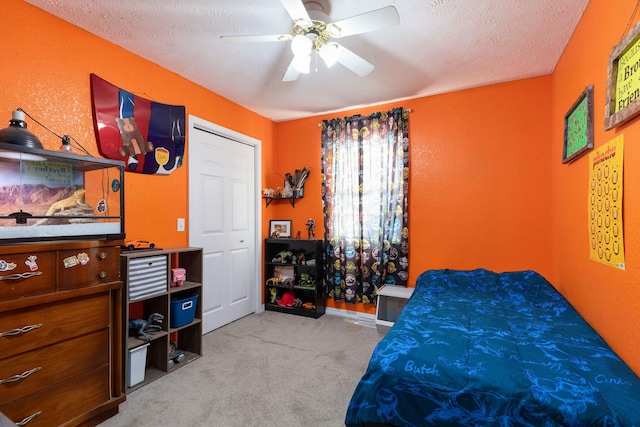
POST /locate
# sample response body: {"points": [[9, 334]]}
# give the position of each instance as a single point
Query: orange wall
{"points": [[608, 298], [479, 182], [45, 71], [488, 188], [487, 185]]}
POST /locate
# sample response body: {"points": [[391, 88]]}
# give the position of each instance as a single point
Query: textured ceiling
{"points": [[439, 46]]}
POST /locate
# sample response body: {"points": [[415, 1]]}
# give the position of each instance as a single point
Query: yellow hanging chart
{"points": [[606, 244]]}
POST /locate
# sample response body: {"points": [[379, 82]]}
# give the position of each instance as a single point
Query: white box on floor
{"points": [[136, 365], [391, 301]]}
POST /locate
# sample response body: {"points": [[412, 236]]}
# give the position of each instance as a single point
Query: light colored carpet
{"points": [[267, 369]]}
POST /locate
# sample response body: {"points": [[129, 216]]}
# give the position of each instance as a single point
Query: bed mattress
{"points": [[478, 348]]}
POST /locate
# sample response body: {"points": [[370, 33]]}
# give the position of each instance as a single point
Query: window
{"points": [[365, 171]]}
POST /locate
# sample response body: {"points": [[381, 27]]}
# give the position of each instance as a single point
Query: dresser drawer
{"points": [[28, 329], [62, 402], [27, 274], [35, 370], [88, 267]]}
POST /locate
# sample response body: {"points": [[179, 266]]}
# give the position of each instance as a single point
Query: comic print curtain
{"points": [[365, 167]]}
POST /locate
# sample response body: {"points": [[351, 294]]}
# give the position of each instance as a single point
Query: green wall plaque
{"points": [[578, 127]]}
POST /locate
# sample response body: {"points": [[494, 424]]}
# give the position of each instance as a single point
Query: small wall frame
{"points": [[578, 127], [623, 85]]}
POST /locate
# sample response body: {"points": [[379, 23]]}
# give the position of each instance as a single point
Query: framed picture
{"points": [[285, 275], [623, 85], [280, 228], [578, 127]]}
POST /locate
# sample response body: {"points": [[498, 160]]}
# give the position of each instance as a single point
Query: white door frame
{"points": [[196, 122]]}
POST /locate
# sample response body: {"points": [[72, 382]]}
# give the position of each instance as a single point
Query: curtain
{"points": [[365, 171]]}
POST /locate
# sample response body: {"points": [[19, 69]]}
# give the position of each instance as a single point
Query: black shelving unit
{"points": [[293, 276]]}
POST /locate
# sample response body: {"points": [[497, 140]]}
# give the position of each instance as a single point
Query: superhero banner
{"points": [[148, 136], [605, 204]]}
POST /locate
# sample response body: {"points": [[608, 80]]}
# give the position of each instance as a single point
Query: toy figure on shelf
{"points": [[311, 228], [175, 354], [298, 234], [283, 257], [307, 281], [273, 281], [141, 327]]}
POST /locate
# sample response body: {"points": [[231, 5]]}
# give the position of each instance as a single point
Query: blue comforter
{"points": [[478, 348]]}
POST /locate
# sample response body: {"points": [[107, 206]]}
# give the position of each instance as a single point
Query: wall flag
{"points": [[148, 136], [606, 244]]}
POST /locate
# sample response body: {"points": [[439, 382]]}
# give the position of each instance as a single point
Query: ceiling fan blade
{"points": [[352, 61], [251, 39], [296, 10], [369, 21], [292, 73]]}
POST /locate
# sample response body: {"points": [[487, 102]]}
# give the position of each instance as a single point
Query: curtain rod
{"points": [[408, 110]]}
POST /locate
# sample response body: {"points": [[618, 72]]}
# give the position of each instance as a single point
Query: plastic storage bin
{"points": [[136, 364], [183, 311]]}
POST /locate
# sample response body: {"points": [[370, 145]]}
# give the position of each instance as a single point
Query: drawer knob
{"points": [[18, 331], [27, 420], [103, 274], [18, 377], [102, 255]]}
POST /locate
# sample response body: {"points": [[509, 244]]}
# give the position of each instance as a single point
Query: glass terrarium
{"points": [[52, 195]]}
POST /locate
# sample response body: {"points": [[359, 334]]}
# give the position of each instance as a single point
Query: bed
{"points": [[478, 348]]}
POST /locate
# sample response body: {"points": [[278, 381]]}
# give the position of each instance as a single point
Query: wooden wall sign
{"points": [[578, 127], [623, 86]]}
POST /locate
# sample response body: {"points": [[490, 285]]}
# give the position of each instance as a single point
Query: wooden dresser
{"points": [[60, 332]]}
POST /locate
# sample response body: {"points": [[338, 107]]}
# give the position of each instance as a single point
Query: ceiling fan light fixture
{"points": [[301, 46], [329, 53], [302, 63], [333, 30], [303, 23]]}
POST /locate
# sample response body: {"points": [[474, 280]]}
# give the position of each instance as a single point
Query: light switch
{"points": [[180, 224]]}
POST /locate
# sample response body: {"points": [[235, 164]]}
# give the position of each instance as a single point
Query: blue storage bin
{"points": [[183, 311]]}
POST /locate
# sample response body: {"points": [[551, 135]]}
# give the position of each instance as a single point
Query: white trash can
{"points": [[136, 365]]}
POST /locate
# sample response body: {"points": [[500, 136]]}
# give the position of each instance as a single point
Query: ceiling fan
{"points": [[312, 32]]}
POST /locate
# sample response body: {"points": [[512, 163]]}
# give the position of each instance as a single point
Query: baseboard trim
{"points": [[363, 319]]}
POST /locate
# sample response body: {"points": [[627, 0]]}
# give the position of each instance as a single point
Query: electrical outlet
{"points": [[180, 224]]}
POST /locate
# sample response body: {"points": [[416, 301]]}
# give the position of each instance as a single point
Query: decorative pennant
{"points": [[148, 136]]}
